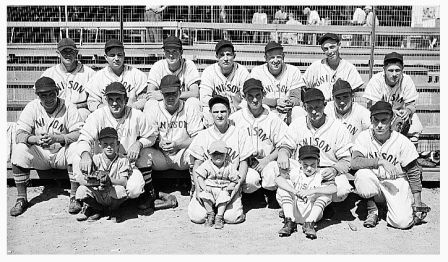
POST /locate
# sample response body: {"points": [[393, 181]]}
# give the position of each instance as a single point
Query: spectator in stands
{"points": [[116, 71], [292, 38], [359, 19], [71, 76], [312, 18], [369, 23], [280, 16], [223, 19], [260, 17], [153, 13]]}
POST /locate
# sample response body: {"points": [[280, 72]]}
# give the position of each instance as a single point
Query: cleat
{"points": [[19, 208]]}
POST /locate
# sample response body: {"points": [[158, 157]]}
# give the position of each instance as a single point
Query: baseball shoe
{"points": [[74, 206], [219, 222], [371, 220], [20, 207], [115, 216], [288, 228], [165, 201], [424, 162], [85, 212], [95, 216], [271, 200], [210, 220], [145, 202], [309, 229]]}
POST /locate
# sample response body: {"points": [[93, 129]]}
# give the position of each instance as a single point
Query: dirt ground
{"points": [[47, 228]]}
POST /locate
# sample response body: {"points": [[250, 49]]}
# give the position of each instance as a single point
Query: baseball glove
{"points": [[99, 179], [420, 212], [401, 126]]}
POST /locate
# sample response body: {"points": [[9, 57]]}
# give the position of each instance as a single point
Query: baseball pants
{"points": [[266, 179], [216, 195], [102, 197], [396, 193], [164, 161]]}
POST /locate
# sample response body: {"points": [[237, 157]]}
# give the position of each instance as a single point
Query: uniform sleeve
{"points": [[194, 118], [365, 118], [279, 131], [243, 78], [373, 90], [154, 75], [202, 170], [25, 124], [140, 82], [289, 139], [125, 169], [246, 147], [296, 78], [234, 175], [410, 91], [147, 132], [197, 147], [93, 87], [360, 143], [408, 152], [343, 153], [151, 112], [191, 74], [206, 86], [89, 132], [354, 78], [74, 124]]}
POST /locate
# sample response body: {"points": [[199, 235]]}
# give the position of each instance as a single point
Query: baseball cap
{"points": [[341, 87], [313, 94], [271, 46], [108, 132], [224, 43], [308, 151], [115, 88], [217, 146], [67, 43], [252, 83], [113, 43], [327, 36], [169, 83], [218, 99], [173, 42], [381, 107], [393, 57], [45, 84]]}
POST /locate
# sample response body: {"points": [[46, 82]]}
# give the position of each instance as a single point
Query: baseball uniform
{"points": [[132, 78], [266, 132], [320, 75], [399, 151], [357, 120], [187, 73]]}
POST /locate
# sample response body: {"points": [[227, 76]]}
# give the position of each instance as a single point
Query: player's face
{"points": [[220, 114], [343, 102], [49, 99], [393, 73], [109, 146], [218, 158], [275, 59], [315, 110], [116, 103], [309, 166], [68, 56], [171, 100], [254, 99], [381, 123], [115, 57], [226, 58], [172, 55], [331, 49]]}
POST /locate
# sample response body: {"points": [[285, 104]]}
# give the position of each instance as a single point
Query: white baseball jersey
{"points": [[357, 120], [187, 73], [397, 150], [279, 86], [132, 78], [332, 139], [301, 181], [266, 131], [320, 75], [399, 95], [217, 176], [239, 144], [72, 85], [214, 82], [118, 168], [133, 126]]}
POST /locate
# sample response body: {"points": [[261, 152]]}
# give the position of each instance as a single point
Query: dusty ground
{"points": [[47, 228]]}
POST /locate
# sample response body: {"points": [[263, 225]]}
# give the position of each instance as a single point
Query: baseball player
{"points": [[329, 135], [387, 170], [354, 116], [397, 88], [280, 81], [136, 136], [322, 74], [174, 64], [71, 76], [225, 77], [132, 78], [46, 130], [240, 149], [265, 129], [305, 194]]}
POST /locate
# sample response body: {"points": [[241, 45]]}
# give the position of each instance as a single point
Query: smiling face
{"points": [[226, 58], [49, 100], [275, 60], [331, 49], [115, 58], [109, 146], [68, 57], [220, 114], [173, 55], [393, 73], [117, 104], [343, 102]]}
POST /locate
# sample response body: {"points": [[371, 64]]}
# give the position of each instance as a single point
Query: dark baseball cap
{"points": [[308, 151], [313, 94], [169, 83], [218, 99], [108, 132], [217, 146], [327, 36], [45, 84], [67, 43], [381, 107], [223, 43], [341, 87], [172, 42], [113, 43], [252, 83], [271, 46], [393, 58], [115, 88]]}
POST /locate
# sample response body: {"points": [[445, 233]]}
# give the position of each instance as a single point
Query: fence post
{"points": [[121, 22], [372, 43]]}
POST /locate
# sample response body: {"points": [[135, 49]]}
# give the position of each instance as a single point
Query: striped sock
{"points": [[21, 179], [147, 174], [73, 183]]}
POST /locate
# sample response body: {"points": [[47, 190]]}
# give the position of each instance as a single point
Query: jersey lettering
{"points": [[228, 87], [173, 124], [351, 128], [232, 154], [258, 131], [75, 86], [321, 144], [40, 122], [55, 125], [390, 158], [276, 88]]}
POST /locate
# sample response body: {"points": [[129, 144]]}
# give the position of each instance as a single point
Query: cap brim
{"points": [[218, 151], [342, 91], [112, 46], [108, 136], [245, 91], [170, 89], [172, 46], [381, 111], [67, 47], [46, 89], [221, 47], [116, 92], [313, 156]]}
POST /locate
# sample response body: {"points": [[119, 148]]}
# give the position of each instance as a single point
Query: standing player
{"points": [[398, 89], [281, 81], [387, 170], [322, 74], [240, 149], [46, 130], [174, 64], [266, 130], [132, 78], [354, 116], [225, 77], [71, 76]]}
